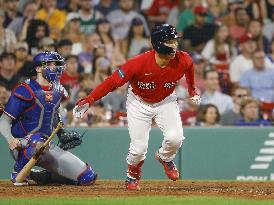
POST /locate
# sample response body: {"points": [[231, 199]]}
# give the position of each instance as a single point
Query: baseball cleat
{"points": [[169, 167], [15, 183], [132, 184], [133, 176]]}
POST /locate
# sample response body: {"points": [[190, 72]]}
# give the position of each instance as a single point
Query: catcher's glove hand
{"points": [[69, 139]]}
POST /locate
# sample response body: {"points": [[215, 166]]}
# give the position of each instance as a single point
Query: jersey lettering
{"points": [[169, 85], [146, 86]]}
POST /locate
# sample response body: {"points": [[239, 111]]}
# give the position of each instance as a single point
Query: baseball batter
{"points": [[29, 118], [153, 76]]}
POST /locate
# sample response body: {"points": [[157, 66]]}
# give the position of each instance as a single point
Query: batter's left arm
{"points": [[190, 80], [193, 92]]}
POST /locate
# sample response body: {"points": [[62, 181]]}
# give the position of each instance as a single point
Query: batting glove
{"points": [[81, 107], [196, 99]]}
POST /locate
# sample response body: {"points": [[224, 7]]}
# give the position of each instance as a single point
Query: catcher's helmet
{"points": [[45, 57], [160, 34]]}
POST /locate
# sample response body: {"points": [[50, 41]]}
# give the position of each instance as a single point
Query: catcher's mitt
{"points": [[69, 139]]}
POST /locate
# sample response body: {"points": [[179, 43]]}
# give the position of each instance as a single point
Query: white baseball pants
{"points": [[167, 118]]}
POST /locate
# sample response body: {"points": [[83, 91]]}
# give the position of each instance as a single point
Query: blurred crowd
{"points": [[231, 43]]}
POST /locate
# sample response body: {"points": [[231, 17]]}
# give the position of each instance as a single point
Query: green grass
{"points": [[133, 201]]}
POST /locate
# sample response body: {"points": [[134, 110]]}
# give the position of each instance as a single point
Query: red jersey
{"points": [[70, 80], [149, 81], [161, 7]]}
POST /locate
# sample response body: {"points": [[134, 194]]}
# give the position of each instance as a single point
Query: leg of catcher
{"points": [[24, 155], [65, 164]]}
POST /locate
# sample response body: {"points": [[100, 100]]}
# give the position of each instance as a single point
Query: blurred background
{"points": [[230, 41]]}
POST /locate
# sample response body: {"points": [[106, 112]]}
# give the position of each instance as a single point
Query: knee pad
{"points": [[24, 155], [34, 143], [87, 177]]}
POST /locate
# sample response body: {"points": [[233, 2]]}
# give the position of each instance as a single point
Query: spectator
{"points": [[64, 47], [268, 28], [20, 24], [189, 113], [208, 116], [136, 40], [36, 31], [249, 109], [219, 49], [11, 11], [23, 66], [219, 52], [269, 9], [111, 45], [70, 77], [200, 32], [47, 44], [101, 65], [255, 29], [240, 28], [88, 17], [260, 79], [229, 19], [243, 61], [120, 19], [116, 100], [216, 9], [232, 115], [212, 95], [54, 17], [159, 11], [72, 31], [270, 56], [257, 10], [86, 56], [173, 16], [4, 96], [106, 6], [200, 68], [7, 37], [72, 6], [186, 17], [8, 75]]}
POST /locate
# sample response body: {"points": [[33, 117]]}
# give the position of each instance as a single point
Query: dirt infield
{"points": [[250, 190]]}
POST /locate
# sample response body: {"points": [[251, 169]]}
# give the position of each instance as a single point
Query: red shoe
{"points": [[133, 176], [132, 184], [169, 167]]}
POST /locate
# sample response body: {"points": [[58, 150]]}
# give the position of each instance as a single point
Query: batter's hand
{"points": [[196, 99], [14, 144], [82, 106]]}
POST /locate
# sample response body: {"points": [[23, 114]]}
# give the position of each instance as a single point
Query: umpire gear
{"points": [[160, 34]]}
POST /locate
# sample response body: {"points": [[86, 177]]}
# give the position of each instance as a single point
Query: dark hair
{"points": [[203, 110], [130, 35], [31, 32], [64, 42], [233, 90], [272, 41], [7, 54], [109, 34], [239, 9], [209, 71], [72, 56]]}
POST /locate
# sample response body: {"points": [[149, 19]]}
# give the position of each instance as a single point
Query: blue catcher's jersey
{"points": [[33, 108]]}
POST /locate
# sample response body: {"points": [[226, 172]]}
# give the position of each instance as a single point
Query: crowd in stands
{"points": [[231, 43]]}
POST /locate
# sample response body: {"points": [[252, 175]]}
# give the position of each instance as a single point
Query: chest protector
{"points": [[39, 116]]}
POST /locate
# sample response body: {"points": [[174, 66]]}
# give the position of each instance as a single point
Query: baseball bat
{"points": [[26, 169]]}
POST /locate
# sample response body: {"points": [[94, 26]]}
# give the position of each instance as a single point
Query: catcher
{"points": [[29, 118]]}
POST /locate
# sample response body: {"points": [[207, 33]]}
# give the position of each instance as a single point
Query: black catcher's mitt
{"points": [[69, 139]]}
